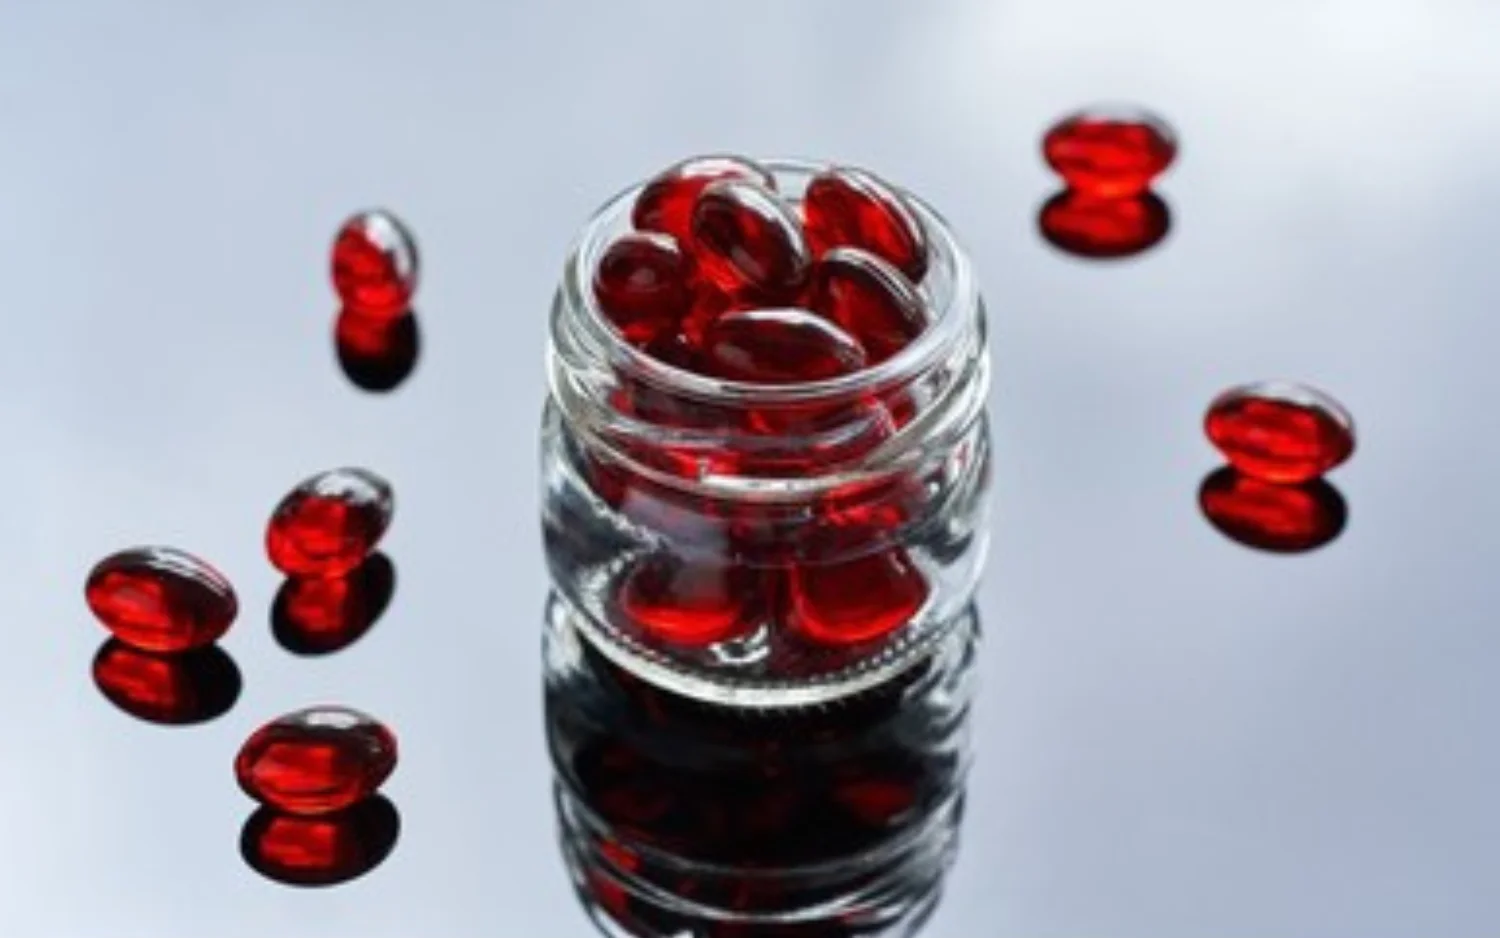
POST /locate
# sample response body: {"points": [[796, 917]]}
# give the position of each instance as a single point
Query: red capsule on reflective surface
{"points": [[322, 615], [329, 523], [746, 241], [666, 202], [174, 689], [1280, 432], [376, 353], [320, 851], [691, 602], [869, 299], [780, 346], [375, 264], [1089, 226], [161, 599], [853, 208], [642, 285], [1110, 152], [1286, 519], [316, 760], [855, 601]]}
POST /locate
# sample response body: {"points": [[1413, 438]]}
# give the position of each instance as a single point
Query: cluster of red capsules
{"points": [[725, 277], [1107, 157], [316, 770], [1279, 439]]}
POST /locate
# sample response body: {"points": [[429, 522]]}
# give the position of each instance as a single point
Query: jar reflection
{"points": [[682, 818]]}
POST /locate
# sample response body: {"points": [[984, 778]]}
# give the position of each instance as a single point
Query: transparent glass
{"points": [[677, 819], [821, 537]]}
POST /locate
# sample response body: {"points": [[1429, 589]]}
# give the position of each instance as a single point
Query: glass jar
{"points": [[766, 545]]}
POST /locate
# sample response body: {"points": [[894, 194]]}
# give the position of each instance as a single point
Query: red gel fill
{"points": [[376, 353], [161, 599], [375, 264], [321, 615], [691, 602], [329, 523], [869, 299], [317, 760], [172, 689], [320, 851], [855, 601], [853, 208], [746, 241], [1089, 226], [1110, 153], [642, 285], [780, 346], [1280, 432], [666, 202], [1273, 517]]}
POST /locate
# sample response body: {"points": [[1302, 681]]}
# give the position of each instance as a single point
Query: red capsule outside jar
{"points": [[781, 502]]}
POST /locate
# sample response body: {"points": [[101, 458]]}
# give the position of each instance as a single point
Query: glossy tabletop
{"points": [[1176, 737]]}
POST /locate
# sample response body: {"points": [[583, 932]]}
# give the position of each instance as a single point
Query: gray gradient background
{"points": [[1177, 737]]}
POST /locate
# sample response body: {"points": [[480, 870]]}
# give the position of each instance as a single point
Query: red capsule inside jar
{"points": [[746, 241], [852, 208], [666, 203], [643, 284], [869, 299]]}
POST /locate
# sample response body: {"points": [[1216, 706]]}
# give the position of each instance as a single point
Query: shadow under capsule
{"points": [[170, 689], [377, 354], [321, 850], [678, 817], [321, 615], [1097, 228], [1283, 519]]}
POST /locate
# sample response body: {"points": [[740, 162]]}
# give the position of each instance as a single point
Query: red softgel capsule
{"points": [[320, 851], [1090, 226], [1286, 519], [666, 202], [869, 299], [173, 689], [161, 599], [1280, 432], [852, 208], [375, 264], [1110, 152], [642, 284], [746, 242], [780, 346], [329, 523], [691, 602], [316, 760], [855, 601]]}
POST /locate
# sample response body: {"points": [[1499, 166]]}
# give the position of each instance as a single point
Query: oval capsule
{"points": [[1279, 431], [161, 599], [329, 523], [316, 760]]}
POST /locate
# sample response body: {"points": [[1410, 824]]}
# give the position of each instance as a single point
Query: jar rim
{"points": [[954, 312]]}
